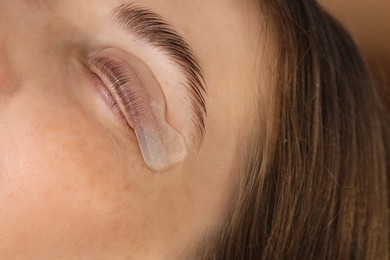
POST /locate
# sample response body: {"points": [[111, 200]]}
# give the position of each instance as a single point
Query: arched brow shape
{"points": [[150, 27]]}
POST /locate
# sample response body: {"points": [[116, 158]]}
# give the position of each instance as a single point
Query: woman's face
{"points": [[75, 179]]}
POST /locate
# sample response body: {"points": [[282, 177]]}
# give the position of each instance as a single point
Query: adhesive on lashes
{"points": [[142, 102]]}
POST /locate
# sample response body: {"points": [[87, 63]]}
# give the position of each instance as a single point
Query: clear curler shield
{"points": [[143, 105]]}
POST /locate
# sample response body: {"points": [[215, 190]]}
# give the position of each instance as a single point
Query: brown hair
{"points": [[317, 187]]}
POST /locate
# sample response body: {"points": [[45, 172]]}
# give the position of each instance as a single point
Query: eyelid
{"points": [[142, 103]]}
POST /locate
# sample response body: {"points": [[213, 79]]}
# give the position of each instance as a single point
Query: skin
{"points": [[73, 183]]}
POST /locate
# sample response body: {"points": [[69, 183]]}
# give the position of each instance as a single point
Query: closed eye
{"points": [[140, 100]]}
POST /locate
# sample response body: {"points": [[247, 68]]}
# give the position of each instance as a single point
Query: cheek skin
{"points": [[62, 182]]}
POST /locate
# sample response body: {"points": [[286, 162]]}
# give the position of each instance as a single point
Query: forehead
{"points": [[241, 13]]}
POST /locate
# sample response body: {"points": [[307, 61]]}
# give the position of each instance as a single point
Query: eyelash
{"points": [[134, 94], [117, 79]]}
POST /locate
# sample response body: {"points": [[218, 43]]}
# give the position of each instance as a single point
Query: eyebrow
{"points": [[148, 26]]}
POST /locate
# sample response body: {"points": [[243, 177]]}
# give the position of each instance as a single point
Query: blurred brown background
{"points": [[369, 23]]}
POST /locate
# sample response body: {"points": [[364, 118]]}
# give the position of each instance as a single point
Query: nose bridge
{"points": [[23, 53], [24, 71], [8, 80], [35, 67], [38, 71]]}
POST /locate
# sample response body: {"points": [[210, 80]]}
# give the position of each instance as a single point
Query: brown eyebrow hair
{"points": [[148, 26]]}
